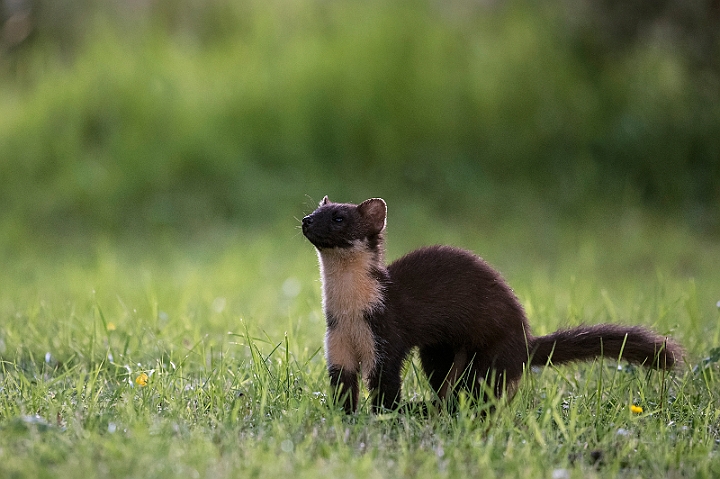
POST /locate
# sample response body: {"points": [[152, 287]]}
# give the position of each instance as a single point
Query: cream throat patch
{"points": [[349, 292]]}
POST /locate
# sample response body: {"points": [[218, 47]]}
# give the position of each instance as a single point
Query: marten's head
{"points": [[345, 225]]}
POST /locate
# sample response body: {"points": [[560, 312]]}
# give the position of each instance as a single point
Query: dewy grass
{"points": [[180, 360]]}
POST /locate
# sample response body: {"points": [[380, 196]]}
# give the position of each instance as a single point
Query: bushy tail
{"points": [[633, 343]]}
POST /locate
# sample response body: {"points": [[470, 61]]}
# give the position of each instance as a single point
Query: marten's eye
{"points": [[338, 219]]}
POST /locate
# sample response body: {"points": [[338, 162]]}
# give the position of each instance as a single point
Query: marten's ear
{"points": [[325, 201], [374, 211]]}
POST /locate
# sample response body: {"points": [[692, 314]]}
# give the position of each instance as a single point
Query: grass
{"points": [[228, 330], [169, 114], [197, 351]]}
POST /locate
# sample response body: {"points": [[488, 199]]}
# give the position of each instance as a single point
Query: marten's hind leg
{"points": [[443, 366], [493, 375]]}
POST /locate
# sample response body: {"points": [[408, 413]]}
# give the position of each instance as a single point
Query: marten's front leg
{"points": [[384, 384], [345, 387], [348, 345]]}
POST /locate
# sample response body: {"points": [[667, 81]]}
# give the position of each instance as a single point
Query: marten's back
{"points": [[448, 295]]}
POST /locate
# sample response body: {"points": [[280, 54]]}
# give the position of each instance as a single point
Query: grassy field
{"points": [[163, 356], [160, 311]]}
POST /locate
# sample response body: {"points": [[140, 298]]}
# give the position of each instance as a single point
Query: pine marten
{"points": [[458, 311]]}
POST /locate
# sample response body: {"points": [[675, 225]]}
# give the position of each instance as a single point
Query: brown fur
{"points": [[465, 320], [459, 363]]}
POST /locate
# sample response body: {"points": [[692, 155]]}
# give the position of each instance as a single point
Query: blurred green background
{"points": [[179, 115]]}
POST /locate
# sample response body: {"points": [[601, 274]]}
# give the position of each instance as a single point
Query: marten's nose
{"points": [[307, 220]]}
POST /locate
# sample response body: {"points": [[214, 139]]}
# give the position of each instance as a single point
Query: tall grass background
{"points": [[184, 113]]}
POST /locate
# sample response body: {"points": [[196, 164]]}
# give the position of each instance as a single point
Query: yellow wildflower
{"points": [[111, 327], [636, 409], [142, 380]]}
